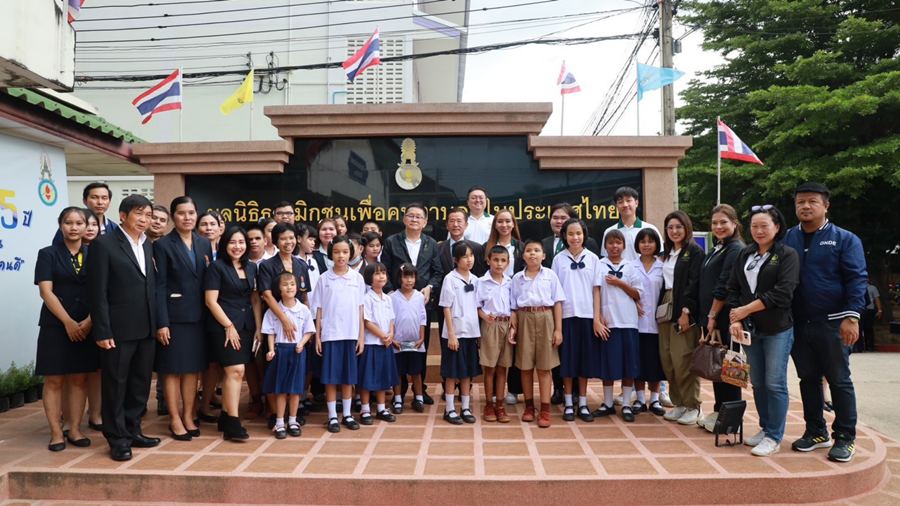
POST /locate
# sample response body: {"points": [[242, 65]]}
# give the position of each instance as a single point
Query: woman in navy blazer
{"points": [[233, 300], [181, 259], [64, 352]]}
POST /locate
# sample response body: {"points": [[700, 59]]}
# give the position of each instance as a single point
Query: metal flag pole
{"points": [[181, 110], [719, 170], [251, 120], [562, 120], [638, 105]]}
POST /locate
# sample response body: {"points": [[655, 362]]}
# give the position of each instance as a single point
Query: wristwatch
{"points": [[685, 310], [853, 319], [712, 314]]}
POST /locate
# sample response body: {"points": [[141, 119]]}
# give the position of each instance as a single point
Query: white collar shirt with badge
{"points": [[630, 234], [339, 298], [299, 314], [412, 247], [380, 311], [542, 291], [652, 283], [493, 297], [409, 318], [618, 307], [479, 229], [463, 305], [579, 283]]}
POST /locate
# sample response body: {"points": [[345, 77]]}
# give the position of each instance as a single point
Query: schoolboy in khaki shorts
{"points": [[536, 298], [498, 324]]}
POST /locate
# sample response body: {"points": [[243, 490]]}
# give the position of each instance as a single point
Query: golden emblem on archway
{"points": [[408, 174]]}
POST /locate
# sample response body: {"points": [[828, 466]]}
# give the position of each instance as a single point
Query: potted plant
{"points": [[38, 383], [4, 391], [31, 390], [18, 384]]}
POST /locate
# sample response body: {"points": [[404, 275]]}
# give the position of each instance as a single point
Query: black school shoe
{"points": [[418, 406], [657, 409], [627, 414], [366, 418], [427, 398], [333, 425], [638, 407], [280, 432], [605, 410], [467, 416], [452, 417], [557, 398], [350, 423], [386, 416], [294, 430], [569, 414], [585, 414], [398, 408]]}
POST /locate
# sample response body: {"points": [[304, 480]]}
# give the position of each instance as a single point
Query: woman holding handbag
{"points": [[714, 312], [760, 290], [677, 312]]}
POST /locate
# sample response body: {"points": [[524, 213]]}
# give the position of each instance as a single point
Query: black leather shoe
{"points": [[207, 418], [585, 414], [180, 437], [95, 426], [467, 416], [557, 398], [657, 409], [142, 441], [58, 447], [333, 425], [350, 423], [569, 414], [386, 416], [366, 418], [81, 443], [427, 399], [418, 406], [271, 421], [120, 453], [605, 410], [161, 408], [294, 430], [627, 415], [452, 417], [194, 432]]}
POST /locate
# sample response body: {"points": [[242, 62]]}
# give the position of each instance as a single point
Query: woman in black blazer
{"points": [[713, 313], [761, 289], [233, 300], [682, 259], [65, 351], [181, 259]]}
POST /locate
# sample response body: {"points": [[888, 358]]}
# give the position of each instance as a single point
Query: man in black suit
{"points": [[559, 214], [122, 292], [422, 251]]}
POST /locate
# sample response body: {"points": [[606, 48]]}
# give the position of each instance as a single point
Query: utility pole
{"points": [[667, 53]]}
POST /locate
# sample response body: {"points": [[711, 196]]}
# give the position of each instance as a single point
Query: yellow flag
{"points": [[237, 99]]}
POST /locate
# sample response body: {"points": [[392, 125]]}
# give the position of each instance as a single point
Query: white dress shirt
{"points": [[137, 249]]}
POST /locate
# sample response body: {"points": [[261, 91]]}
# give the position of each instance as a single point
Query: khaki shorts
{"points": [[534, 336], [496, 350]]}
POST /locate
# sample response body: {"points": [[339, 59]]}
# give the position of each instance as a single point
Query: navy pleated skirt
{"points": [[339, 363], [377, 369], [463, 363], [620, 355], [286, 373], [579, 354]]}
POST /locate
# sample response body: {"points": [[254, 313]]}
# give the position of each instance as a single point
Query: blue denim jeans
{"points": [[819, 352], [768, 359]]}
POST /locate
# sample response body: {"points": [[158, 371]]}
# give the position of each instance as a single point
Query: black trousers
{"points": [[867, 338], [126, 371]]}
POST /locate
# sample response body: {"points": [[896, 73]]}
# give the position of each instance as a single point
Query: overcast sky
{"points": [[529, 73]]}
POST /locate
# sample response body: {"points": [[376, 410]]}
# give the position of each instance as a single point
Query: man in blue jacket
{"points": [[827, 305]]}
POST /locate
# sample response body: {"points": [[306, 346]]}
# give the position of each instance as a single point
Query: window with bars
{"points": [[146, 192], [383, 83]]}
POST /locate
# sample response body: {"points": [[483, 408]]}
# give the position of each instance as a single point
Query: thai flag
{"points": [[366, 57], [569, 85], [562, 73], [165, 96], [75, 9], [731, 146]]}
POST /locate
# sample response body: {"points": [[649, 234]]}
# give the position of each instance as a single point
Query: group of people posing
{"points": [[297, 310]]}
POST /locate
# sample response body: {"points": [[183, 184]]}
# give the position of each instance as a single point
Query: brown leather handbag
{"points": [[707, 359]]}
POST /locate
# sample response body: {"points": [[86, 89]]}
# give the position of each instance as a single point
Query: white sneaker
{"points": [[691, 417], [511, 399], [620, 399], [675, 414], [755, 439], [665, 400], [709, 423], [766, 448]]}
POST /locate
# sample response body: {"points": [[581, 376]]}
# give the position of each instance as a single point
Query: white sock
{"points": [[420, 398], [608, 395], [381, 408], [450, 407], [626, 391], [279, 422], [465, 401], [568, 399], [582, 400], [654, 397], [291, 420], [642, 396], [365, 409], [332, 409], [347, 403], [399, 399]]}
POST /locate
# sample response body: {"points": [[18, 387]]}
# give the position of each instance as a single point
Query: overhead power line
{"points": [[154, 4]]}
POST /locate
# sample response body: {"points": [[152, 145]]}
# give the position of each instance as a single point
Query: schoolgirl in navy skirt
{"points": [[409, 335], [377, 366]]}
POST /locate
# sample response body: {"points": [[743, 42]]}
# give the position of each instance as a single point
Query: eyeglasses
{"points": [[675, 227], [284, 214], [761, 208], [413, 217]]}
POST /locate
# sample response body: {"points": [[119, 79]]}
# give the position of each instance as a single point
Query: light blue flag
{"points": [[654, 78]]}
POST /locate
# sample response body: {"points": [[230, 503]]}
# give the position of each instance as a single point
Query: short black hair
{"points": [[533, 241], [417, 205], [161, 209], [264, 222], [460, 249], [644, 233], [337, 240], [458, 210], [94, 186], [625, 191], [475, 189], [69, 210], [132, 202], [226, 238], [373, 222], [565, 206], [280, 229], [255, 226], [614, 234], [777, 218], [813, 188], [498, 250], [368, 237], [283, 203], [177, 201], [370, 270]]}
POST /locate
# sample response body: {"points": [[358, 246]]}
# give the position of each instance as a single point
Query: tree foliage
{"points": [[813, 86]]}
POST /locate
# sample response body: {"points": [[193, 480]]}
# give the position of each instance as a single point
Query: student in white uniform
{"points": [[619, 353], [338, 305], [629, 224], [377, 366], [579, 274], [459, 350], [286, 373], [650, 271], [497, 326], [536, 298], [409, 335]]}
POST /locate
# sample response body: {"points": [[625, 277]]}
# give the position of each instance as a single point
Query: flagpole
{"points": [[638, 105], [562, 122], [251, 120], [719, 170]]}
